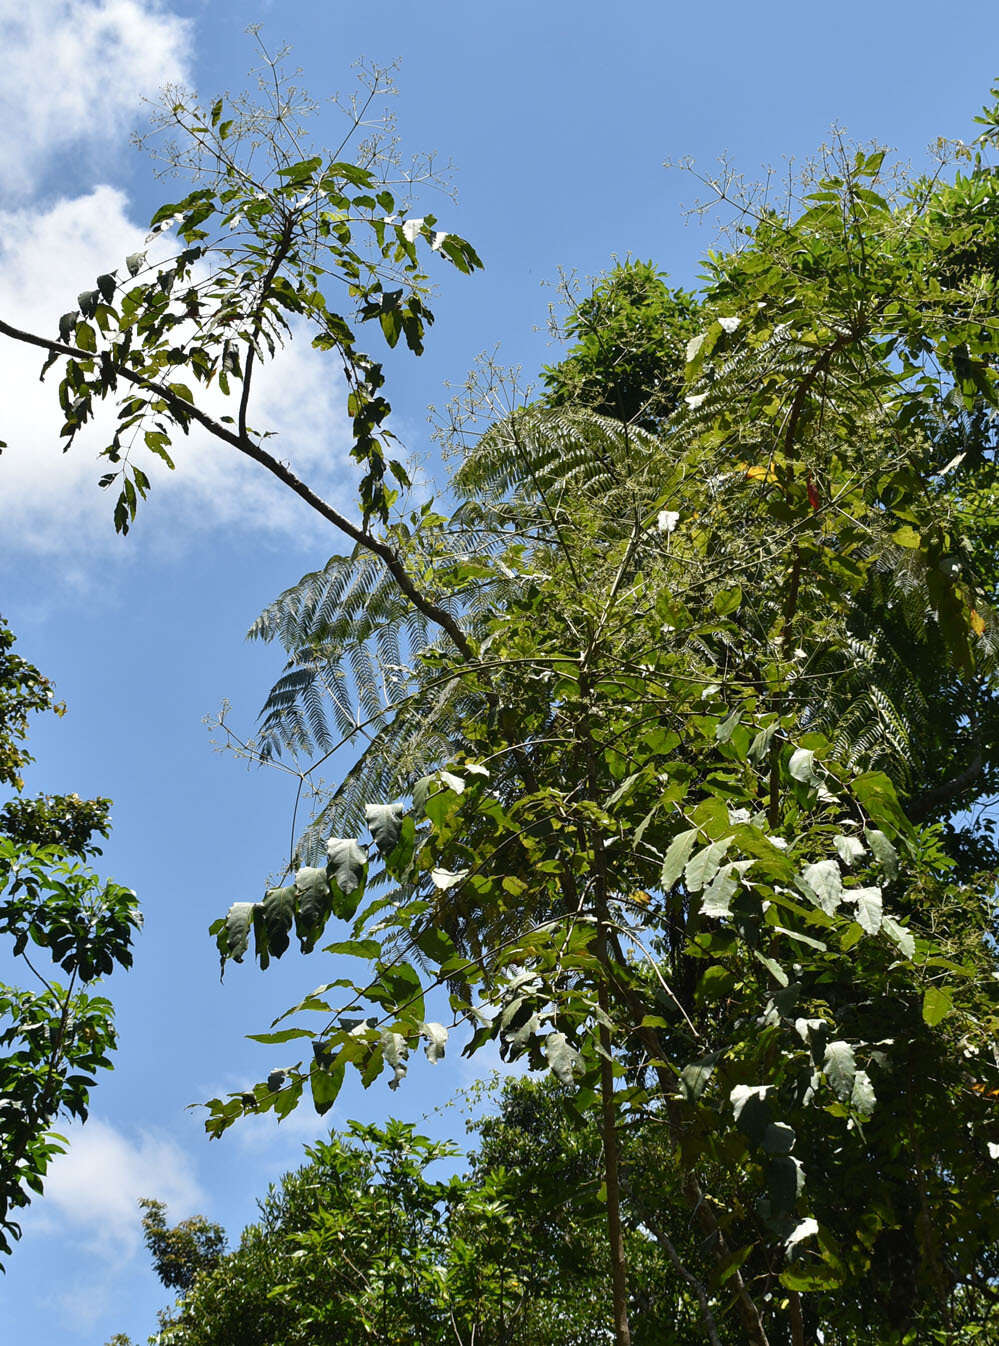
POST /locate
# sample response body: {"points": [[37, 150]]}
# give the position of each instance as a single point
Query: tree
{"points": [[361, 1244], [56, 1038], [654, 767]]}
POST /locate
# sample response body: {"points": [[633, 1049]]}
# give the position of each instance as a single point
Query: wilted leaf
{"points": [[395, 1053], [346, 868], [862, 1096], [436, 1036], [385, 825], [751, 1110], [802, 1231], [278, 909], [236, 934], [562, 1057], [778, 1138], [719, 892], [446, 878]]}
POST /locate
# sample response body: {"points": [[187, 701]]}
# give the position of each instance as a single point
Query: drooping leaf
{"points": [[395, 1052], [720, 891], [313, 904], [235, 935], [751, 1110], [862, 1096], [385, 825], [562, 1057], [436, 1036], [278, 911], [346, 867], [849, 849]]}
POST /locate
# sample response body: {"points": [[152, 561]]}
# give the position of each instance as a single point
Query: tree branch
{"points": [[242, 443]]}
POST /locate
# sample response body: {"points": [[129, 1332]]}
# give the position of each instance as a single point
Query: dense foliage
{"points": [[55, 1038], [363, 1245]]}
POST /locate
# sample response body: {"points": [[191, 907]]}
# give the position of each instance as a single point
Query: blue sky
{"points": [[558, 117]]}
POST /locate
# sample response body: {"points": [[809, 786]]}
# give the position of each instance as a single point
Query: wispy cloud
{"points": [[75, 75], [92, 1191]]}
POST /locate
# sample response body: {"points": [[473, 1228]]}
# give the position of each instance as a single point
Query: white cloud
{"points": [[94, 1188], [75, 75], [52, 503]]}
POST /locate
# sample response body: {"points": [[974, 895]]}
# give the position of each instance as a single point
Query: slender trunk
{"points": [[797, 1321], [612, 1181]]}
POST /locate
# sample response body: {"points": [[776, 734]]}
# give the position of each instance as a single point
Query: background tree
{"points": [[57, 1037]]}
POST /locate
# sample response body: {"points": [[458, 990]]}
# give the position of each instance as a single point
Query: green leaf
{"points": [[702, 867], [356, 948], [937, 1004], [727, 600], [802, 766], [325, 1083], [877, 795], [899, 936], [869, 907], [907, 537], [677, 856], [695, 1076]]}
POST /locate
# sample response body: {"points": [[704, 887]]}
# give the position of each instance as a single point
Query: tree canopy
{"points": [[55, 1037]]}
